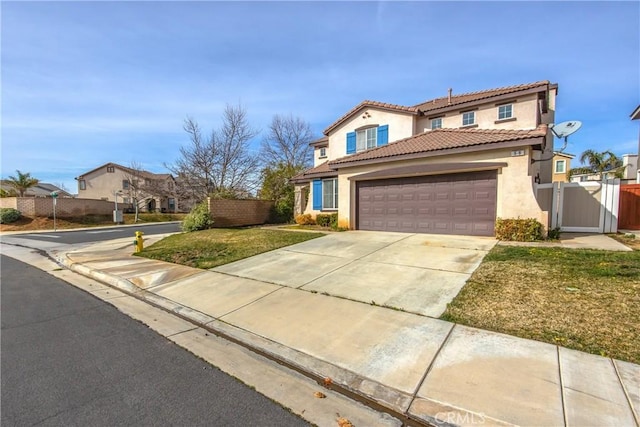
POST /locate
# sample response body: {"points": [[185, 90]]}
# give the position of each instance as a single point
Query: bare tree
{"points": [[220, 164], [287, 143], [132, 185]]}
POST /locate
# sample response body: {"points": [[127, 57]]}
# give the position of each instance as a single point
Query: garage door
{"points": [[462, 203]]}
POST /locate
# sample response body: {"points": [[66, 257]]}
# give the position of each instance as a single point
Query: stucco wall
{"points": [[401, 125], [525, 111], [235, 213], [65, 207]]}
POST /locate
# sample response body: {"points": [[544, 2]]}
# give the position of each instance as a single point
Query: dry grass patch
{"points": [[628, 240], [211, 248], [582, 299]]}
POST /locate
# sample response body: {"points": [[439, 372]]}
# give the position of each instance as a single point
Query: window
{"points": [[323, 152], [561, 166], [111, 169], [82, 184], [366, 138], [468, 118], [436, 123], [125, 184], [170, 185], [330, 193], [505, 111]]}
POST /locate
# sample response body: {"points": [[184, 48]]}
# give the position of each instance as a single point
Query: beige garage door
{"points": [[462, 203]]}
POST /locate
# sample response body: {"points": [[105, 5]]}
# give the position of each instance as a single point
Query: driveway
{"points": [[418, 273]]}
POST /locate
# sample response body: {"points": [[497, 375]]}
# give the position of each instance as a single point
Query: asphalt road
{"points": [[70, 359], [100, 234]]}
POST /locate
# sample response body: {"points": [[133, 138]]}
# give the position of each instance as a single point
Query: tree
{"points": [[22, 182], [286, 153], [220, 165], [599, 163], [287, 142], [132, 186]]}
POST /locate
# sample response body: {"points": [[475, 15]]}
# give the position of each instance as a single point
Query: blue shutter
{"points": [[351, 142], [317, 194], [383, 135]]}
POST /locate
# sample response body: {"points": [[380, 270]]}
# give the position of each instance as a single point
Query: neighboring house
{"points": [[154, 192], [448, 165], [561, 166], [629, 176], [42, 189], [636, 116]]}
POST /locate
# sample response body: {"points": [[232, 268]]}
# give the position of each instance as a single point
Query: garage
{"points": [[460, 203]]}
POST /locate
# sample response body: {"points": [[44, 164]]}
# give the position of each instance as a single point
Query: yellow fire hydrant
{"points": [[138, 242]]}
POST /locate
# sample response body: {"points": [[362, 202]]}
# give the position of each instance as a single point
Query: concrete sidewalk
{"points": [[415, 366]]}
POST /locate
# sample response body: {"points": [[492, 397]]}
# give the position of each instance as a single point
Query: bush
{"points": [[334, 222], [281, 213], [9, 215], [305, 219], [518, 230], [198, 219], [553, 234], [323, 220]]}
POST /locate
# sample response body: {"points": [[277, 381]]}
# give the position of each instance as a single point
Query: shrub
{"points": [[519, 230], [198, 219], [281, 213], [334, 222], [323, 220], [553, 234], [305, 219], [8, 215]]}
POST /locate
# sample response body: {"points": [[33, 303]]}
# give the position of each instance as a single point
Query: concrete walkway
{"points": [[412, 365]]}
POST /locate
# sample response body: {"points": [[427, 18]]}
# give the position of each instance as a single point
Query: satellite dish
{"points": [[564, 129]]}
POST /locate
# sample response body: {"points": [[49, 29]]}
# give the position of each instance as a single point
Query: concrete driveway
{"points": [[418, 273]]}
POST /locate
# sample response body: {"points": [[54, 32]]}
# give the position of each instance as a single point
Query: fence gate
{"points": [[629, 217], [589, 206]]}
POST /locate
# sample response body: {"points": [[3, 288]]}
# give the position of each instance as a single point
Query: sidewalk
{"points": [[431, 371]]}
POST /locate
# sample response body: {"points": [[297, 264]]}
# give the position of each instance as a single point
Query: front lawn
{"points": [[587, 300], [218, 246]]}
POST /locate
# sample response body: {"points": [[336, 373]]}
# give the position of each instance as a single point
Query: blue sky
{"points": [[85, 83]]}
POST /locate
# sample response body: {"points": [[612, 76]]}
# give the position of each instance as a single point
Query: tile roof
{"points": [[442, 139], [318, 171], [457, 99], [376, 104], [440, 103]]}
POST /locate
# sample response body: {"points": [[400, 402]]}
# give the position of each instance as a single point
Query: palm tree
{"points": [[601, 162], [22, 182]]}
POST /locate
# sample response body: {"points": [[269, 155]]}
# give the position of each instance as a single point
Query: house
{"points": [[636, 116], [153, 192], [561, 165], [449, 165], [628, 176], [41, 189]]}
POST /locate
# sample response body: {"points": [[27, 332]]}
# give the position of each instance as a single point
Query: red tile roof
{"points": [[441, 139], [317, 172], [457, 99], [376, 104]]}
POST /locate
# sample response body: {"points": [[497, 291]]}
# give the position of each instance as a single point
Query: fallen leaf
{"points": [[327, 382], [319, 395], [343, 422]]}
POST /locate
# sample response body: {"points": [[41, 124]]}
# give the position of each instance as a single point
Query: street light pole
{"points": [[54, 196]]}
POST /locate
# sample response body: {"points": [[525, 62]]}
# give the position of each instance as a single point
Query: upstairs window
{"points": [[505, 111], [561, 166], [125, 184], [366, 138], [468, 118], [82, 184], [436, 123], [323, 152], [111, 169]]}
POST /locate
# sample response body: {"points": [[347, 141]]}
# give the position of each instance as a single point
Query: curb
{"points": [[371, 393]]}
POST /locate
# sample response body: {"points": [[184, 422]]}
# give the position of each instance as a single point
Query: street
{"points": [[70, 359]]}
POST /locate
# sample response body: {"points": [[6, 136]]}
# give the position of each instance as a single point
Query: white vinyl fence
{"points": [[589, 206]]}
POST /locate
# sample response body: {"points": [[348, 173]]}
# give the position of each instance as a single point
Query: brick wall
{"points": [[65, 207], [233, 213]]}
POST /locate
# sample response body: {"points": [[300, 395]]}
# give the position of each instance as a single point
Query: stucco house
{"points": [[41, 189], [448, 165], [561, 166], [154, 192]]}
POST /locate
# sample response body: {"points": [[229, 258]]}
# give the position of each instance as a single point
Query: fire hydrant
{"points": [[138, 242]]}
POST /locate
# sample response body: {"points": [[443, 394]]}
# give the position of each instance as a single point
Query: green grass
{"points": [[218, 246], [587, 300]]}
